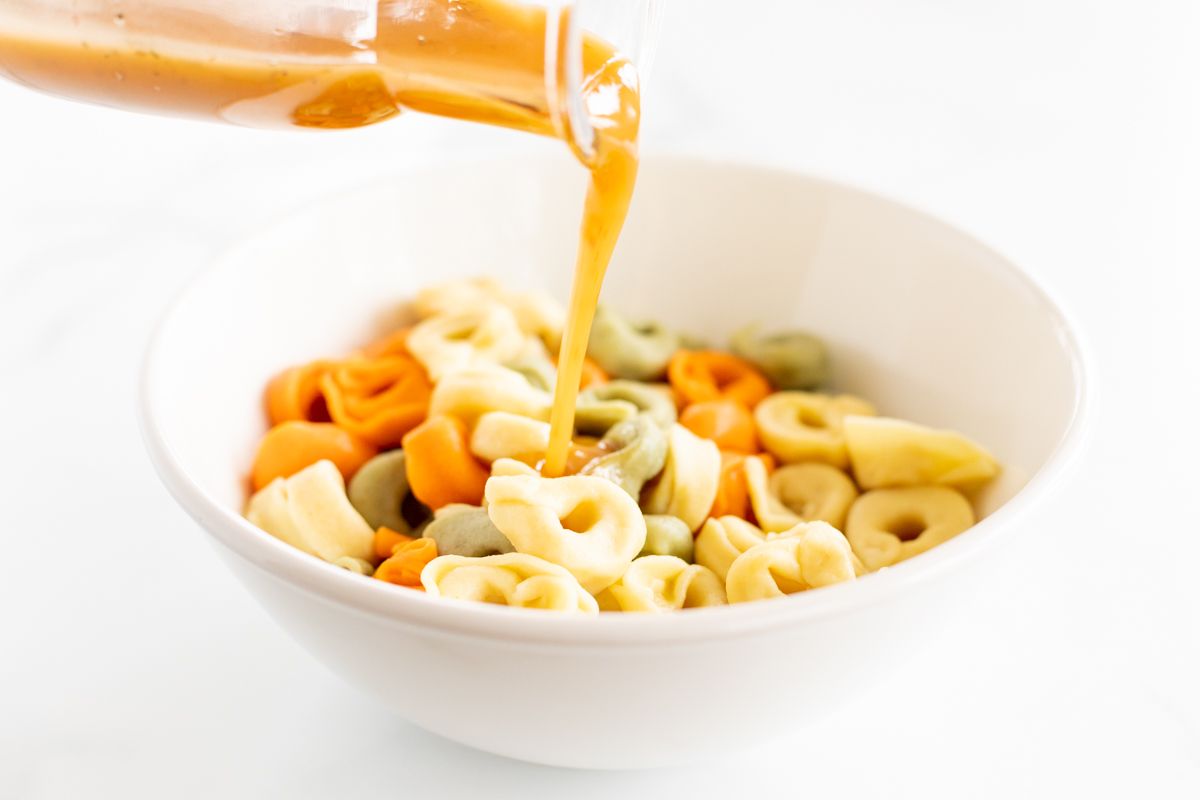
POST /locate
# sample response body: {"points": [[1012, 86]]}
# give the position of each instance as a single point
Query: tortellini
{"points": [[688, 484], [625, 350], [887, 526], [722, 540], [664, 583], [501, 434], [512, 579], [638, 452], [770, 512], [812, 555], [536, 312], [802, 426], [311, 512], [462, 530], [791, 360], [795, 492], [589, 525], [450, 342], [356, 565], [668, 536], [379, 491], [892, 452], [470, 393], [601, 407]]}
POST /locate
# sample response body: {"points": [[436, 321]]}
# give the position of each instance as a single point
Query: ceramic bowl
{"points": [[920, 318]]}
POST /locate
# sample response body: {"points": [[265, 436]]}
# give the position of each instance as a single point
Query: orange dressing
{"points": [[476, 60]]}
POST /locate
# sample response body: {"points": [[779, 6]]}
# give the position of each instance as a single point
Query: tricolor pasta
{"points": [[696, 477]]}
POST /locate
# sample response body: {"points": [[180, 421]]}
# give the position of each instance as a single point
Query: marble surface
{"points": [[1064, 133]]}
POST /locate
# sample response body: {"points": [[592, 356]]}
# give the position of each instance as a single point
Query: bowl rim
{"points": [[405, 608]]}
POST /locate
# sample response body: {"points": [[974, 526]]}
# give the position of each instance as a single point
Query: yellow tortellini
{"points": [[589, 525], [626, 350], [722, 540], [812, 555], [601, 407], [638, 452], [804, 426], [501, 434], [310, 511], [536, 312], [663, 583], [689, 480], [450, 342], [772, 515], [892, 452], [356, 565], [887, 526], [799, 492], [790, 360], [470, 393], [512, 579]]}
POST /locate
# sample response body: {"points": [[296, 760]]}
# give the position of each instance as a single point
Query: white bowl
{"points": [[921, 319]]}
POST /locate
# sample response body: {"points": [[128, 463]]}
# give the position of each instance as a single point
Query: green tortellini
{"points": [[626, 350], [379, 491], [790, 360], [668, 536], [599, 408], [462, 530], [639, 451]]}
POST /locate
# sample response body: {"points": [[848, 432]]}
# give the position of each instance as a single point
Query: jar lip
{"points": [[564, 79]]}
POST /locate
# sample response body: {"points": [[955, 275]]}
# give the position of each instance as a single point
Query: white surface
{"points": [[621, 691], [1062, 132]]}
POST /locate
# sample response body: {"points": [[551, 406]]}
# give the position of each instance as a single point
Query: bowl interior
{"points": [[921, 319]]}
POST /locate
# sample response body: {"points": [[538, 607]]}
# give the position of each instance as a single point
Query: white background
{"points": [[1064, 133]]}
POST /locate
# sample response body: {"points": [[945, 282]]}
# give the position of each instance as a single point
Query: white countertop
{"points": [[1065, 133]]}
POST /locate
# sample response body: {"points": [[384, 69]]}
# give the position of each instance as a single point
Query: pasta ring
{"points": [[892, 452], [587, 524], [887, 526], [803, 426], [814, 491], [450, 342], [661, 583], [722, 540], [811, 556], [511, 579]]}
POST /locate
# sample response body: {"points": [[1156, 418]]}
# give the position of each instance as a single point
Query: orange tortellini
{"points": [[697, 476]]}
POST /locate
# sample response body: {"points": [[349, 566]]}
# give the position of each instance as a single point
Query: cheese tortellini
{"points": [[588, 525], [311, 512], [512, 579], [502, 434], [803, 426], [695, 475], [887, 526], [688, 484], [452, 342], [535, 312], [812, 555], [468, 394], [663, 583]]}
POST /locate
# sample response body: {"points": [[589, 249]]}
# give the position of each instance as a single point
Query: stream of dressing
{"points": [[477, 60]]}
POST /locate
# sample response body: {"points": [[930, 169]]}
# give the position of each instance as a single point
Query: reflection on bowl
{"points": [[919, 317]]}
